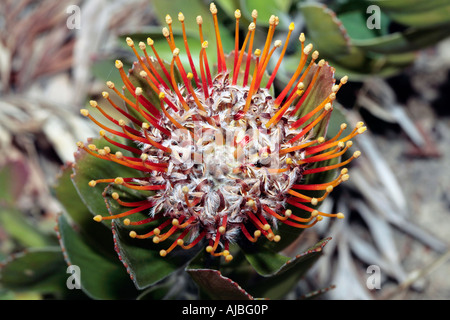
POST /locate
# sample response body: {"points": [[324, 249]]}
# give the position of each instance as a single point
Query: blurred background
{"points": [[57, 55]]}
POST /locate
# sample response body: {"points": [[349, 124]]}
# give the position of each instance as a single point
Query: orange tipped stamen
{"points": [[112, 86], [150, 42], [321, 186], [202, 69], [311, 125], [264, 228], [187, 223], [130, 87], [251, 29], [107, 116], [300, 147], [275, 70], [155, 231], [153, 70], [128, 222], [129, 204], [341, 130], [174, 83], [310, 114], [314, 57], [299, 195], [297, 72], [171, 231], [220, 55], [357, 130], [195, 241], [274, 120], [268, 38], [247, 234], [249, 52], [186, 46], [262, 66], [276, 215], [217, 235], [178, 242], [120, 145], [123, 112], [169, 23], [114, 132], [154, 82], [176, 123], [310, 86], [252, 89], [127, 213], [237, 15], [146, 140], [202, 41], [331, 167], [302, 226], [326, 156]]}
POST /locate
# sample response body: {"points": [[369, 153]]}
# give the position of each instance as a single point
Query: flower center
{"points": [[222, 159]]}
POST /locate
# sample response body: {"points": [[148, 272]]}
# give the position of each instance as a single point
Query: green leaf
{"points": [[101, 277], [265, 8], [407, 41], [104, 70], [191, 11], [263, 260], [417, 13], [13, 177], [161, 291], [77, 211], [19, 227], [37, 269], [355, 23], [228, 6], [7, 295], [217, 286], [142, 258], [325, 30], [279, 282], [88, 167]]}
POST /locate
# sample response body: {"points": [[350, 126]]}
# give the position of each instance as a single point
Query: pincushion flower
{"points": [[224, 159]]}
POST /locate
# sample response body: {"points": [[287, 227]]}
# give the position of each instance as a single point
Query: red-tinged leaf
{"points": [[316, 93], [218, 287]]}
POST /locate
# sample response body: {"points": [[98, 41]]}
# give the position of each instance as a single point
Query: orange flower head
{"points": [[224, 158]]}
